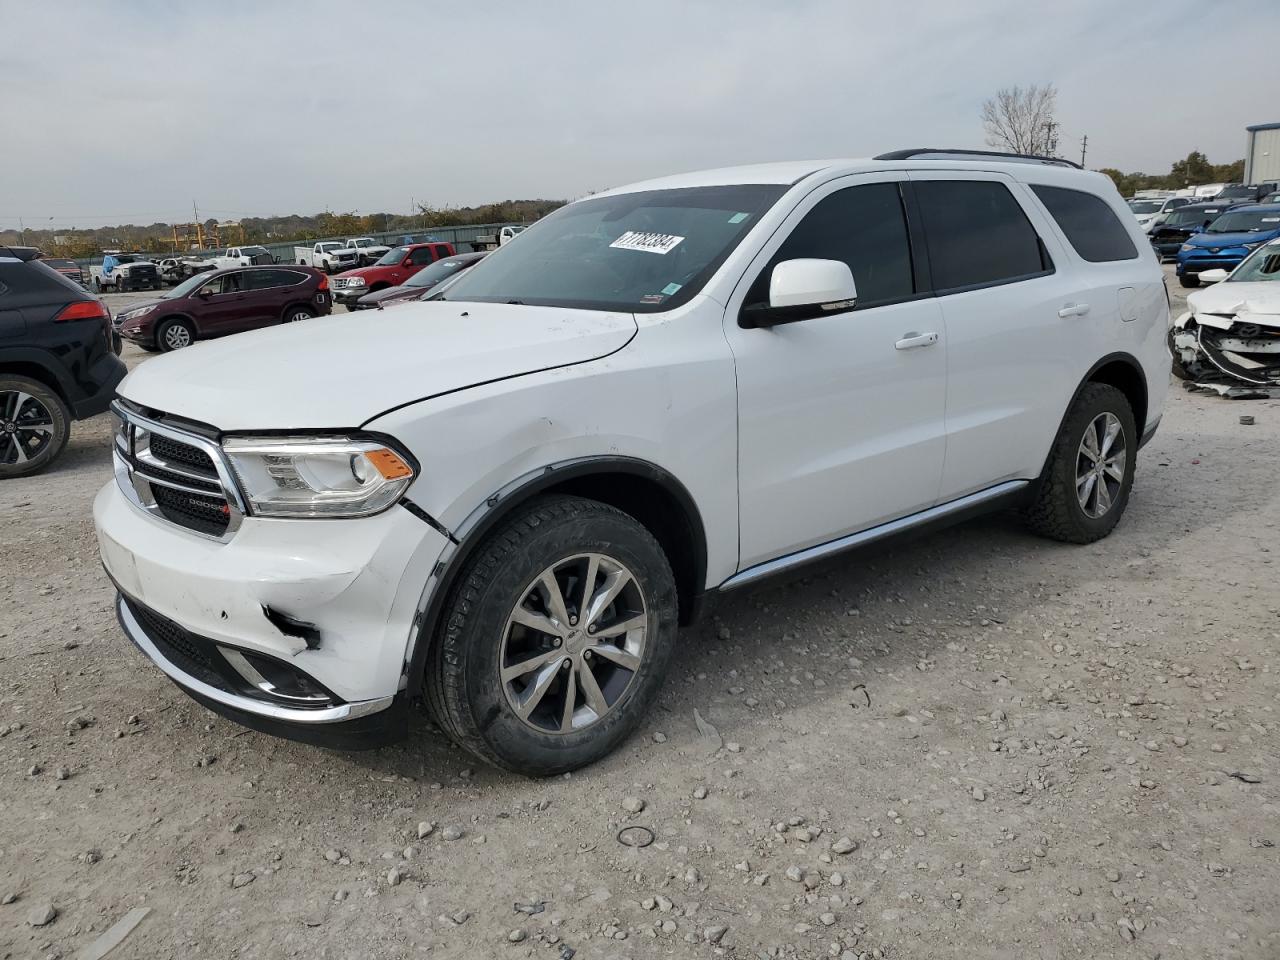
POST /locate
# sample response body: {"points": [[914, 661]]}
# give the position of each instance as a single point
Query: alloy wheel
{"points": [[177, 336], [26, 427], [1100, 465], [574, 643]]}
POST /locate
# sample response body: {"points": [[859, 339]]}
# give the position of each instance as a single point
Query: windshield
{"points": [[325, 247], [1183, 217], [392, 257], [58, 262], [1146, 206], [1246, 221], [185, 288], [1262, 264], [433, 274], [252, 251], [1228, 192], [639, 252]]}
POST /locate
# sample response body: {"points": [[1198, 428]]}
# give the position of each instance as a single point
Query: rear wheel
{"points": [[175, 334], [556, 638], [1189, 280], [294, 314], [1085, 486], [34, 426]]}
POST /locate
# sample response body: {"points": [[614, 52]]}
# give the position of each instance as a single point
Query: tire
{"points": [[294, 314], [29, 403], [1189, 280], [1066, 506], [97, 285], [466, 693], [174, 334]]}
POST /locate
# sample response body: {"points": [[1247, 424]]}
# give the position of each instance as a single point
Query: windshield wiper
{"points": [[518, 303]]}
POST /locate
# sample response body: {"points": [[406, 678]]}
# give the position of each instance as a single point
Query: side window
{"points": [[977, 235], [420, 256], [227, 283], [1089, 223], [866, 228], [267, 279]]}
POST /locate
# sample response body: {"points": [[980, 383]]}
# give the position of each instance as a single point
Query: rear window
{"points": [[977, 235], [1089, 223]]}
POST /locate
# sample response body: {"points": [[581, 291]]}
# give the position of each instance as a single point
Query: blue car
{"points": [[1227, 240]]}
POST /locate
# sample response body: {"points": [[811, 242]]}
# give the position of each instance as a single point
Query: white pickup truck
{"points": [[367, 251], [124, 271], [493, 241], [242, 257], [327, 255]]}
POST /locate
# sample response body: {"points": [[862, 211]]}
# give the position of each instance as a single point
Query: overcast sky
{"points": [[126, 111]]}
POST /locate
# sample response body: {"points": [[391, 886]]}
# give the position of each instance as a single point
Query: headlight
{"points": [[355, 281], [1186, 246], [318, 476], [134, 314], [1254, 245]]}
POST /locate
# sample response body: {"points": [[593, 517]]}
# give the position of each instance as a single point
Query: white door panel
{"points": [[840, 418]]}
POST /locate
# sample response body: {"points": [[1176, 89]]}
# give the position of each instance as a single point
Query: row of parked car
{"points": [[1217, 233]]}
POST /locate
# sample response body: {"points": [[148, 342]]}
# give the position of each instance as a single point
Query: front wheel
{"points": [[556, 638], [34, 426], [174, 335], [1189, 280], [1085, 486]]}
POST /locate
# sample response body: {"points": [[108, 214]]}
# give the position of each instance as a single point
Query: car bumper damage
{"points": [[1235, 354]]}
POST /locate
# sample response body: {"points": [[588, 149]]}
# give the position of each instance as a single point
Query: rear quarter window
{"points": [[1090, 224]]}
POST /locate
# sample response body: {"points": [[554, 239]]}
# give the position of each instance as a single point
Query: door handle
{"points": [[913, 340], [1074, 310]]}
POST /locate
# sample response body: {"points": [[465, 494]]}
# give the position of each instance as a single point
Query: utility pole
{"points": [[22, 233], [1051, 138], [1084, 148]]}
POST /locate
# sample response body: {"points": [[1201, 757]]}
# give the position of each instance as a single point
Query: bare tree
{"points": [[1022, 120]]}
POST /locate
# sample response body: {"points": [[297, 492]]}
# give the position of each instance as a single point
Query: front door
{"points": [[840, 418], [223, 311]]}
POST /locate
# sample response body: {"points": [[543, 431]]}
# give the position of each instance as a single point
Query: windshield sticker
{"points": [[652, 298], [1271, 219], [738, 217], [670, 289], [662, 243]]}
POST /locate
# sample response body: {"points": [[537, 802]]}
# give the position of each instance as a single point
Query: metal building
{"points": [[1262, 153]]}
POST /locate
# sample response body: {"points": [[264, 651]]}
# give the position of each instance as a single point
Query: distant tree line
{"points": [[1193, 170], [158, 237]]}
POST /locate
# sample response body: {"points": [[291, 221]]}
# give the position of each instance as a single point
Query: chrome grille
{"points": [[176, 476]]}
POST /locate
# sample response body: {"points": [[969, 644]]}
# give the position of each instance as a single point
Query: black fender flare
{"points": [[47, 362], [497, 507]]}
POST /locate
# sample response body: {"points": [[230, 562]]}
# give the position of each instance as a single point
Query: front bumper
{"points": [[354, 585], [347, 296], [1194, 262]]}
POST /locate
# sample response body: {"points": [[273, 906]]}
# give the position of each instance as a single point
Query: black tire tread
{"points": [[1051, 513], [50, 399], [445, 695]]}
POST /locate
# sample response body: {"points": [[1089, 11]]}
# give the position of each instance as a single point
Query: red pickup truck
{"points": [[395, 267]]}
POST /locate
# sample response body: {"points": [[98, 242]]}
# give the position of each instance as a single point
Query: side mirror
{"points": [[1213, 276], [205, 291], [1198, 228], [802, 290]]}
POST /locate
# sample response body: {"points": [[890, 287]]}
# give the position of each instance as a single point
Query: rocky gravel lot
{"points": [[978, 744]]}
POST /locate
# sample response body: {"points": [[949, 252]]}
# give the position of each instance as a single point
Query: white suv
{"points": [[504, 501]]}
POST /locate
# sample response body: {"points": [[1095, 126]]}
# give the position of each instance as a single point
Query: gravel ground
{"points": [[977, 744]]}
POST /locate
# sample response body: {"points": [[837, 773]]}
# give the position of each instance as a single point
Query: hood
{"points": [[394, 293], [1248, 302], [365, 272], [343, 370], [1227, 239]]}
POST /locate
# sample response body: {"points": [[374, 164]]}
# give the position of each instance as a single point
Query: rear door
{"points": [[1013, 319], [269, 291]]}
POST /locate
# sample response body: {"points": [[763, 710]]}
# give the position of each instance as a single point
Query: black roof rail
{"points": [[923, 153], [19, 253]]}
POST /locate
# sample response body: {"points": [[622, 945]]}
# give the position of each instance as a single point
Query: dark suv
{"points": [[226, 301], [58, 360]]}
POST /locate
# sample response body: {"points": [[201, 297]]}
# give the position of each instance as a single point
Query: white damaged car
{"points": [[1228, 341]]}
